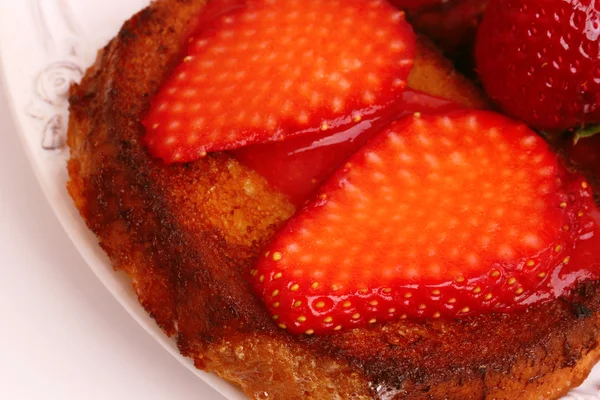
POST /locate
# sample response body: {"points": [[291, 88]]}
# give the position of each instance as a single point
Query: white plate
{"points": [[45, 45]]}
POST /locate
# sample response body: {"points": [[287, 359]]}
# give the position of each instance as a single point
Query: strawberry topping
{"points": [[540, 60], [274, 69], [437, 216], [298, 166]]}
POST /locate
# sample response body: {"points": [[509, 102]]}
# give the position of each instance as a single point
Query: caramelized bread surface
{"points": [[188, 234]]}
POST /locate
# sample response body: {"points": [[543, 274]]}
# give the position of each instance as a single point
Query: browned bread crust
{"points": [[187, 236]]}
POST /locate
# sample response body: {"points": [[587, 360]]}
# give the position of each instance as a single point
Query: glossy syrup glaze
{"points": [[299, 165]]}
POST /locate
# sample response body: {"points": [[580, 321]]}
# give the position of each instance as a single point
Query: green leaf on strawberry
{"points": [[585, 132]]}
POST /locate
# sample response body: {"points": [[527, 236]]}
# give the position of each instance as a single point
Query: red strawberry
{"points": [[438, 216], [274, 69], [540, 60]]}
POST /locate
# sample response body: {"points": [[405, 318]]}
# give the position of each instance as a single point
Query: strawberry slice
{"points": [[276, 69], [437, 216]]}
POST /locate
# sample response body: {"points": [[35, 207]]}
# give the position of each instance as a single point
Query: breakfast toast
{"points": [[188, 234]]}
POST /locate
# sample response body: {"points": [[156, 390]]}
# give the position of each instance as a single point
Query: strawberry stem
{"points": [[586, 131]]}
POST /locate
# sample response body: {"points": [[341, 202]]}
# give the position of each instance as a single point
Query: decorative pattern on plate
{"points": [[51, 90], [51, 103]]}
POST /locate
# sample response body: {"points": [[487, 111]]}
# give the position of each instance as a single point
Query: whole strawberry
{"points": [[540, 60]]}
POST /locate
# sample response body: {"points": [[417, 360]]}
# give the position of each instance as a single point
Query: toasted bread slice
{"points": [[187, 236]]}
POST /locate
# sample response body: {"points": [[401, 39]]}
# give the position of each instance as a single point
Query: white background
{"points": [[62, 335]]}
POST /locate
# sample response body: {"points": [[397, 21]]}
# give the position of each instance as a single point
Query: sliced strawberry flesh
{"points": [[437, 216], [298, 166], [276, 69]]}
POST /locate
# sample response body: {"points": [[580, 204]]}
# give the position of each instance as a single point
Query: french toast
{"points": [[187, 235]]}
